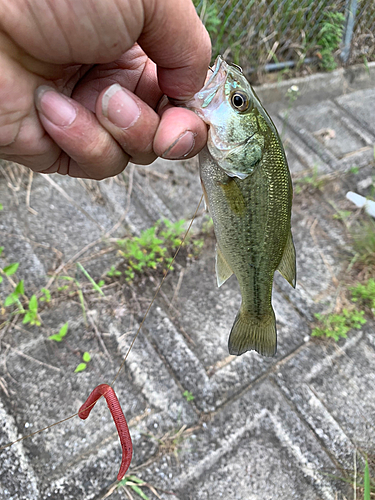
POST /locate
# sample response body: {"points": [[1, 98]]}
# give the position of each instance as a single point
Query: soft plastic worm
{"points": [[119, 418]]}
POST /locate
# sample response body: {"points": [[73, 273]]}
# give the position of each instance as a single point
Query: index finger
{"points": [[174, 37]]}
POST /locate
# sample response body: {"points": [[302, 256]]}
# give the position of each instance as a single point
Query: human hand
{"points": [[96, 89]]}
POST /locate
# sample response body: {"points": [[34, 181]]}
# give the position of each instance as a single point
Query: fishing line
{"points": [[131, 345]]}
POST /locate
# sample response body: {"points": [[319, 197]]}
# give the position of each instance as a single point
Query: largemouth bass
{"points": [[248, 191]]}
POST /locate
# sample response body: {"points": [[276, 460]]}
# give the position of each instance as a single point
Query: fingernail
{"points": [[119, 107], [55, 106], [181, 147]]}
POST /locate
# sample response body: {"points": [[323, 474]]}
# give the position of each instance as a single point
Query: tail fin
{"points": [[249, 334]]}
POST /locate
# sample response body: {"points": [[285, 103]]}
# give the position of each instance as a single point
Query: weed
{"points": [[291, 95], [342, 214], [135, 484], [337, 326], [313, 181], [363, 234], [329, 38], [31, 315], [366, 481], [46, 295], [58, 337], [113, 272], [96, 286], [152, 249], [188, 396], [364, 294], [82, 366]]}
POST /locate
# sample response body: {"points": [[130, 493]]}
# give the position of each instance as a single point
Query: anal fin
{"points": [[223, 270], [287, 266]]}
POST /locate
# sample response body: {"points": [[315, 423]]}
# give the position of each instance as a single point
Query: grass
{"points": [[337, 326], [253, 33], [153, 249]]}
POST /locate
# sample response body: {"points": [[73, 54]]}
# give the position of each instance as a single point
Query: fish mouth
{"points": [[216, 77]]}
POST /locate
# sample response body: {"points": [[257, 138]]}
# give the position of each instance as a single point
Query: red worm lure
{"points": [[119, 418]]}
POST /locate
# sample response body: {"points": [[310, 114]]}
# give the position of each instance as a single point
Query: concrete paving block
{"points": [[360, 105], [337, 374], [198, 353], [331, 133], [255, 448], [301, 158], [18, 480]]}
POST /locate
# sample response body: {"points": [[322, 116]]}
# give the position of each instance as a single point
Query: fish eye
{"points": [[240, 101]]}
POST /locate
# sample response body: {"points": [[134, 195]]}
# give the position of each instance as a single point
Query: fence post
{"points": [[350, 13]]}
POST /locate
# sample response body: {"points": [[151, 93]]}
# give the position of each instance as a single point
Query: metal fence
{"points": [[273, 34]]}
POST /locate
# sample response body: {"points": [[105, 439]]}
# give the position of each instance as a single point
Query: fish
{"points": [[248, 191]]}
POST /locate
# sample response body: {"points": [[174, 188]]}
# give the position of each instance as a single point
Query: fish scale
{"points": [[248, 191]]}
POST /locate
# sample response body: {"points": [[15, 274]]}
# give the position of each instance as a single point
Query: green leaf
{"points": [[47, 295], [135, 479], [80, 367], [19, 290], [86, 357], [55, 337], [1, 206], [95, 285], [11, 299], [139, 492], [64, 329], [33, 304], [11, 269], [1, 279], [1, 250]]}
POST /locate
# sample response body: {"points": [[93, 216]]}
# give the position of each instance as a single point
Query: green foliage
{"points": [[329, 38], [342, 214], [46, 295], [113, 272], [188, 396], [313, 181], [364, 294], [363, 234], [337, 326], [152, 249], [11, 269], [135, 484], [96, 286], [13, 298], [82, 366], [31, 315], [58, 337]]}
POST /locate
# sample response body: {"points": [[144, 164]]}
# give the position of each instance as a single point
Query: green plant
{"points": [[82, 366], [338, 325], [58, 337], [188, 396], [364, 294], [313, 181], [96, 286], [31, 315], [363, 235], [329, 38], [152, 249], [342, 214], [46, 297], [135, 484], [113, 272]]}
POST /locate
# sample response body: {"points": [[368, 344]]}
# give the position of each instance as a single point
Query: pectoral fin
{"points": [[287, 266], [223, 271]]}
